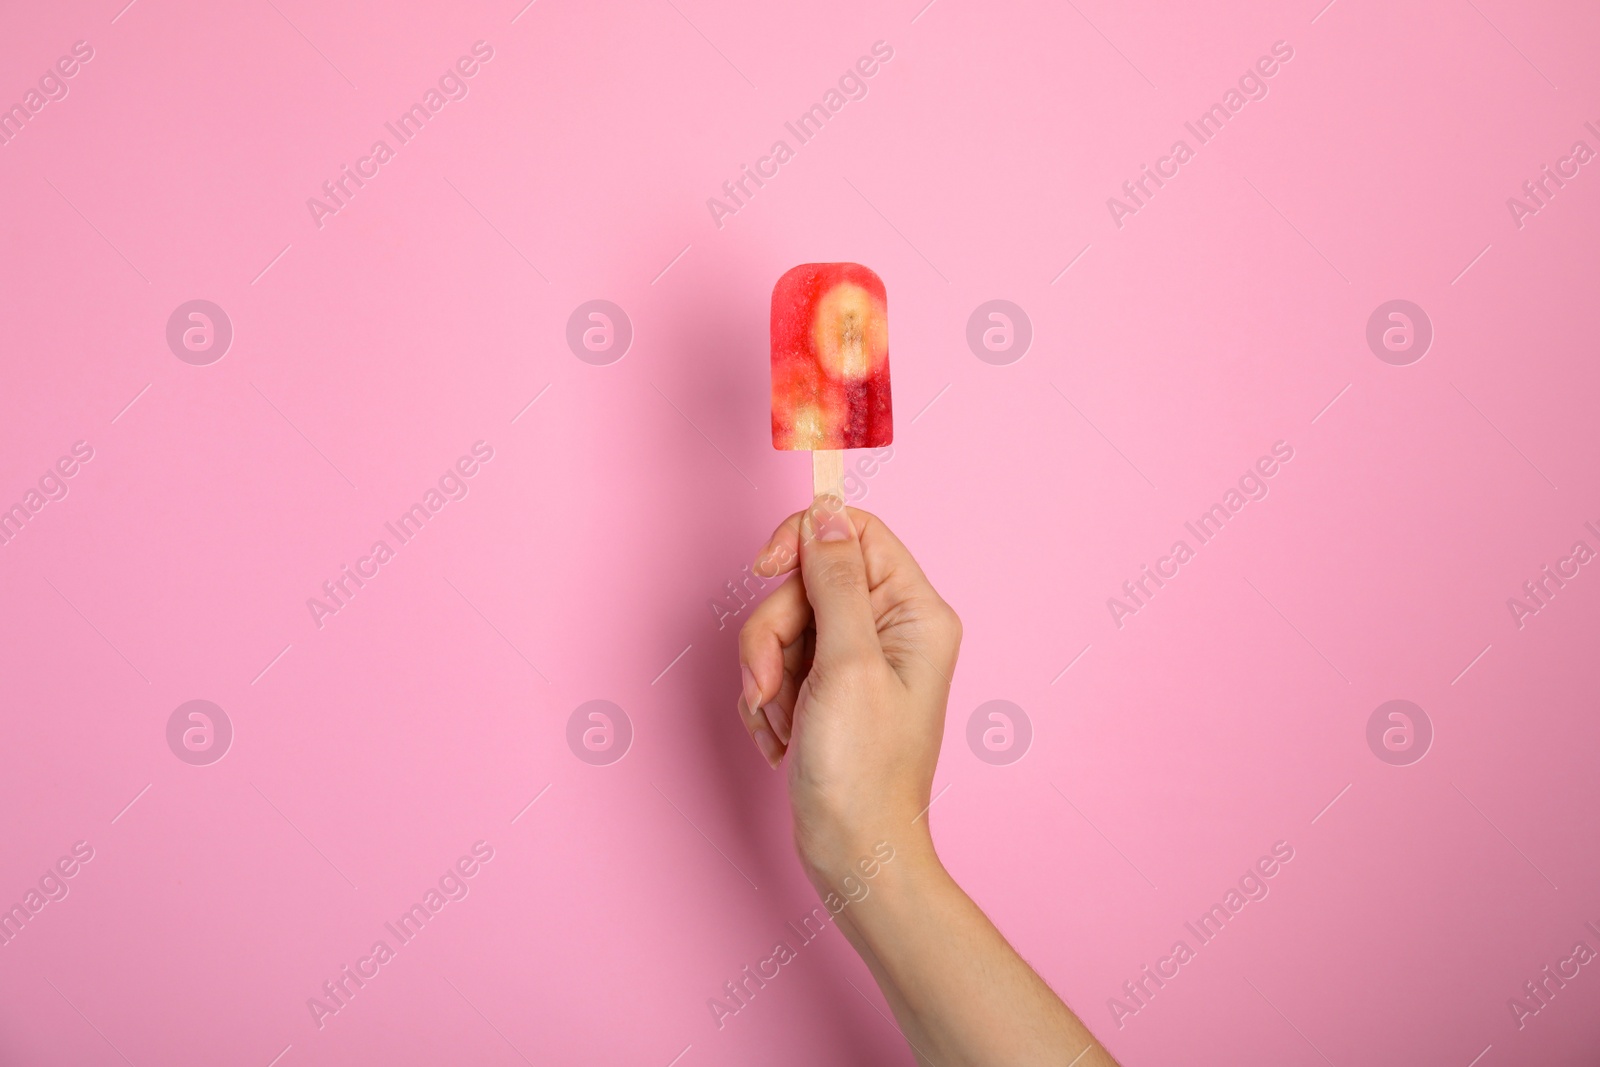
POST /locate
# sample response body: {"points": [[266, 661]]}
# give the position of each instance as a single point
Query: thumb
{"points": [[835, 577]]}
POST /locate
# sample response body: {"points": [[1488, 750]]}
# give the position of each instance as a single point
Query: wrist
{"points": [[843, 863]]}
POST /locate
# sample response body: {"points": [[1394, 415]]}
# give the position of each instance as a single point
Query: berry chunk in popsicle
{"points": [[830, 360]]}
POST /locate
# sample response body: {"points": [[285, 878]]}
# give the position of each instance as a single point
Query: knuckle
{"points": [[840, 573], [774, 562], [752, 637], [859, 663], [846, 671]]}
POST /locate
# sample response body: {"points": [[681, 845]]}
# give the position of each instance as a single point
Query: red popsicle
{"points": [[830, 364]]}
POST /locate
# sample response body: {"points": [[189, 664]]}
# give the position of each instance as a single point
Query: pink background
{"points": [[368, 354]]}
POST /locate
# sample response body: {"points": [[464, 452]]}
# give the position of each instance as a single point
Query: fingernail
{"points": [[828, 519], [752, 689], [768, 746], [779, 720]]}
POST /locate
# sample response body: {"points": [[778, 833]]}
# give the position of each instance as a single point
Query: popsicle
{"points": [[830, 366]]}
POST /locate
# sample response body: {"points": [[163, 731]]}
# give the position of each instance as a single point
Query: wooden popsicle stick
{"points": [[827, 473]]}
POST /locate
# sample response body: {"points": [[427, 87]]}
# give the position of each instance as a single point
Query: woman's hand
{"points": [[846, 668]]}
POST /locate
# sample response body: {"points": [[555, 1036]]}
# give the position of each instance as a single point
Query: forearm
{"points": [[961, 993]]}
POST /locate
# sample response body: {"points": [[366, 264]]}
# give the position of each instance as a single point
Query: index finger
{"points": [[889, 563]]}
